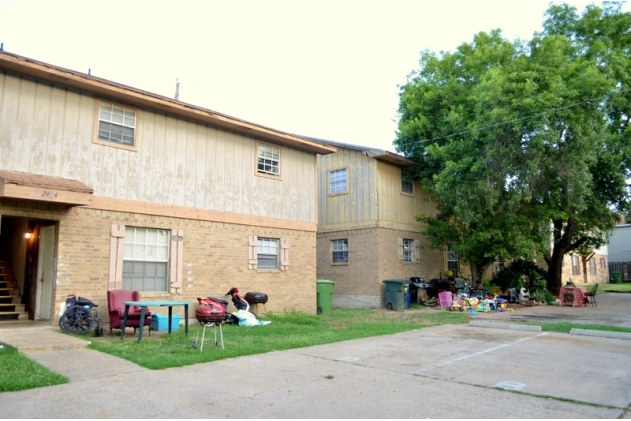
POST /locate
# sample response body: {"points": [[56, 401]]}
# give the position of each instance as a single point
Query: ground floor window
{"points": [[408, 250], [267, 253], [146, 259], [576, 269], [452, 261], [340, 251]]}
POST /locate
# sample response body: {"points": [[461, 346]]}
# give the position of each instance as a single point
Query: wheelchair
{"points": [[80, 317]]}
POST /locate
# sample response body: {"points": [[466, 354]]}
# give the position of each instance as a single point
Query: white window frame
{"points": [[267, 252], [408, 250], [338, 181], [146, 248], [268, 160], [341, 248], [602, 263], [126, 117], [576, 268], [592, 266], [452, 257]]}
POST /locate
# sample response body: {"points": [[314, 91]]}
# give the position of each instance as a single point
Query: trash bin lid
{"points": [[324, 281], [397, 281]]}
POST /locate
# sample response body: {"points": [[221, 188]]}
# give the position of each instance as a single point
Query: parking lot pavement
{"points": [[449, 371]]}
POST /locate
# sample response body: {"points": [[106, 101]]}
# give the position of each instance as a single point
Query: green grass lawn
{"points": [[623, 287], [287, 331], [18, 372]]}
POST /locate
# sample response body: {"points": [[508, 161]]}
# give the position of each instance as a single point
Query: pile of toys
{"points": [[482, 303]]}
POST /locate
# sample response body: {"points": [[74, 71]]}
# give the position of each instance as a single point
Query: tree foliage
{"points": [[524, 144]]}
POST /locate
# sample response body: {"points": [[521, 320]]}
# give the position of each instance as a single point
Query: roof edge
{"points": [[100, 86]]}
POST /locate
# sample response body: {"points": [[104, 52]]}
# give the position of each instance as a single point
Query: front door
{"points": [[45, 269]]}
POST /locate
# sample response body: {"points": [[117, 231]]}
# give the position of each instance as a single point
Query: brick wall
{"points": [[215, 257], [373, 256]]}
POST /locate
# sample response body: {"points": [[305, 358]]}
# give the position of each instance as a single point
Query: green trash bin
{"points": [[324, 290], [616, 277], [397, 294]]}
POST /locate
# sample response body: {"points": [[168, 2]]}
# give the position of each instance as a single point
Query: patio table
{"points": [[159, 303]]}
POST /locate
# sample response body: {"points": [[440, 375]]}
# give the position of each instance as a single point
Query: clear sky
{"points": [[328, 69]]}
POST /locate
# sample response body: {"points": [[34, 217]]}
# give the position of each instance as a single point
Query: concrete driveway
{"points": [[451, 371]]}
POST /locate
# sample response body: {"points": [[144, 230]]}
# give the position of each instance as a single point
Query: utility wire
{"points": [[524, 118]]}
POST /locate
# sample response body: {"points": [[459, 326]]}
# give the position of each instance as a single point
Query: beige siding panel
{"points": [[249, 172], [25, 127], [70, 134], [146, 163], [97, 157], [39, 157], [201, 161], [228, 171], [56, 134], [239, 198], [109, 166], [170, 162], [180, 139], [217, 172], [158, 159], [5, 127], [190, 167], [398, 210], [121, 180], [358, 207], [83, 164]]}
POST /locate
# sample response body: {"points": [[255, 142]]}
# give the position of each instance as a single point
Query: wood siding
{"points": [[357, 208], [374, 197], [48, 130], [398, 210]]}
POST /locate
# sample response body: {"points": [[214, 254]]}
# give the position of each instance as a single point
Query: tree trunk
{"points": [[555, 264], [477, 272]]}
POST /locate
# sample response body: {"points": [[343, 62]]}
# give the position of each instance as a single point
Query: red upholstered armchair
{"points": [[116, 308]]}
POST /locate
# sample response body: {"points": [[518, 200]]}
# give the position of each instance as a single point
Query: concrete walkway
{"points": [[453, 371]]}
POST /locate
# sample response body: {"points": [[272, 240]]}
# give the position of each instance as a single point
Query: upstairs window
{"points": [[337, 181], [117, 124], [268, 160], [407, 183]]}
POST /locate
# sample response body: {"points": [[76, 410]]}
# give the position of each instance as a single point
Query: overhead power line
{"points": [[525, 118]]}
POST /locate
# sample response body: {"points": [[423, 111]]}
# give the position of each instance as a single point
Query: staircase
{"points": [[11, 307]]}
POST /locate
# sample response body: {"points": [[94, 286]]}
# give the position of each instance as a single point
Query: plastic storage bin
{"points": [[160, 323], [445, 299]]}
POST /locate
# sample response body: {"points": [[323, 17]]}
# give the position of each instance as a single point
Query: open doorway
{"points": [[28, 268]]}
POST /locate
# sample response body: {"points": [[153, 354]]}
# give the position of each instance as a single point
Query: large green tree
{"points": [[524, 145]]}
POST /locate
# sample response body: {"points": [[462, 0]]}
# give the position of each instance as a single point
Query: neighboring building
{"points": [[620, 250], [122, 188], [367, 227], [589, 269]]}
